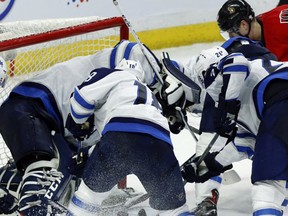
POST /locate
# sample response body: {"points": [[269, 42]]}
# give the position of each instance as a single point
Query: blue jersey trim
{"points": [[82, 102], [36, 90], [113, 57], [268, 211], [138, 126], [128, 50], [246, 135], [246, 150], [77, 116], [261, 89], [285, 203], [236, 68], [230, 41], [126, 54], [217, 179]]}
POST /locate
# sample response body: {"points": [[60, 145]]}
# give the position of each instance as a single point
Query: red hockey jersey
{"points": [[275, 31]]}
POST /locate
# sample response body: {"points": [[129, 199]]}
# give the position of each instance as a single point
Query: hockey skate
{"points": [[41, 189], [112, 204], [208, 207]]}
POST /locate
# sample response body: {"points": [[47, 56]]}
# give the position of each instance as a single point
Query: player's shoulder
{"points": [[274, 12], [249, 48]]}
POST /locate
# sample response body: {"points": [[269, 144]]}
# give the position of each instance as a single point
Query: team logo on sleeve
{"points": [[284, 16], [5, 7]]}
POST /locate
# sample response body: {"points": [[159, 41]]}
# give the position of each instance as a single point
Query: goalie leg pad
{"points": [[24, 132]]}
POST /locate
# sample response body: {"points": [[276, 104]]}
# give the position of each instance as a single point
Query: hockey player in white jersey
{"points": [[207, 193], [135, 140], [251, 95], [42, 104]]}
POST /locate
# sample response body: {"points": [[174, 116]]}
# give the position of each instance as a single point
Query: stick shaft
{"points": [[202, 157], [127, 22]]}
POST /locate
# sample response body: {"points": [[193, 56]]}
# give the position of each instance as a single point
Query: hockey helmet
{"points": [[205, 59], [3, 72], [133, 51], [133, 66], [231, 14]]}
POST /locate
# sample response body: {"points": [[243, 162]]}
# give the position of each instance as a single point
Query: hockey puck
{"points": [[142, 212]]}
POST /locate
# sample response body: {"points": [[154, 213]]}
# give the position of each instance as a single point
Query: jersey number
{"points": [[142, 96]]}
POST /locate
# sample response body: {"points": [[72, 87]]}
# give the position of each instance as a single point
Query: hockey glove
{"points": [[203, 173], [226, 116], [173, 100], [80, 131], [176, 115]]}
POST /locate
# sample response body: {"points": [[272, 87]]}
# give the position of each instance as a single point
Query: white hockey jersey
{"points": [[55, 85], [243, 76], [120, 102]]}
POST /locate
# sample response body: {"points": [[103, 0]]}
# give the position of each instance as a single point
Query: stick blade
{"points": [[230, 177]]}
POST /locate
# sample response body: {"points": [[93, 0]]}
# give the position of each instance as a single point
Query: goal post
{"points": [[29, 47]]}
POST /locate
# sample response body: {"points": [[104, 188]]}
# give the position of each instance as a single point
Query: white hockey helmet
{"points": [[3, 72], [133, 66], [206, 58], [133, 51]]}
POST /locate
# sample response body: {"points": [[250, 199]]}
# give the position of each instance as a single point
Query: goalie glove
{"points": [[209, 168], [80, 131]]}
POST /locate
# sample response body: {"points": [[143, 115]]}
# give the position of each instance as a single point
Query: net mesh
{"points": [[31, 46]]}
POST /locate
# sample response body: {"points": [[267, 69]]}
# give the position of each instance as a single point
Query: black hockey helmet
{"points": [[231, 14]]}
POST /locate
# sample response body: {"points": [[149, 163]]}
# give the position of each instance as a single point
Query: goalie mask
{"points": [[3, 72], [205, 60], [133, 66]]}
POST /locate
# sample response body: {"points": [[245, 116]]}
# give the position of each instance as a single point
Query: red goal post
{"points": [[31, 46]]}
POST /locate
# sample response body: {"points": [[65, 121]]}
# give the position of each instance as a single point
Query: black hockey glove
{"points": [[202, 174], [176, 115], [175, 121], [173, 101], [226, 116], [80, 131]]}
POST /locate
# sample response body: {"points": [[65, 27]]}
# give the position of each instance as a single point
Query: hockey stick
{"points": [[228, 177], [188, 127], [137, 200], [128, 24], [202, 157]]}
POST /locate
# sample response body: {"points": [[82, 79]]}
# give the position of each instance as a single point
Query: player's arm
{"points": [[84, 101], [234, 69], [218, 161]]}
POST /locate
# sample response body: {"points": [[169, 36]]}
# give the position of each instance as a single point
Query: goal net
{"points": [[31, 46]]}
